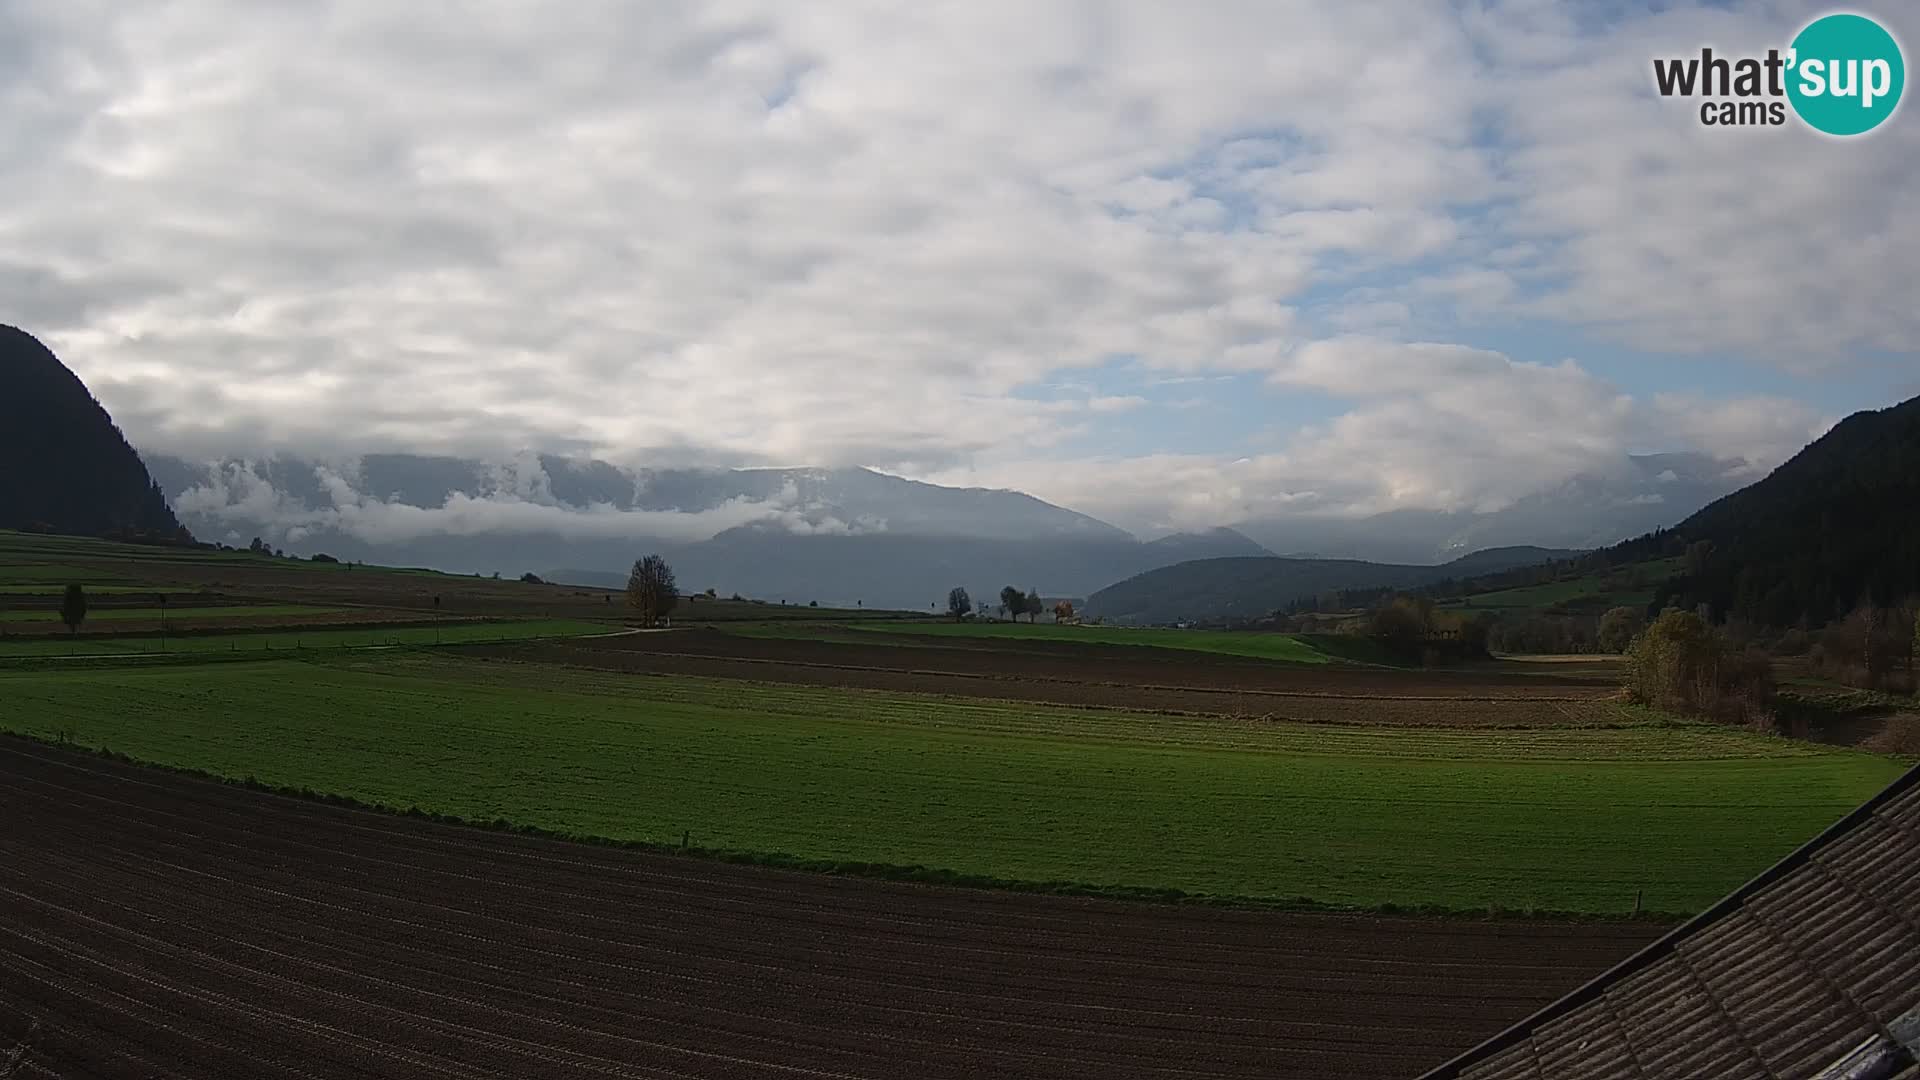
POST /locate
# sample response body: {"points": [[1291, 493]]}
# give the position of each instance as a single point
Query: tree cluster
{"points": [[1873, 648], [1682, 664], [1014, 603]]}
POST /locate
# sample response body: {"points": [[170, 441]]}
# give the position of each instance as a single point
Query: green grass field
{"points": [[307, 638], [1226, 642], [1594, 592], [1557, 819]]}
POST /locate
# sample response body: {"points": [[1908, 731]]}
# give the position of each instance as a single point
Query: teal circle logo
{"points": [[1845, 74]]}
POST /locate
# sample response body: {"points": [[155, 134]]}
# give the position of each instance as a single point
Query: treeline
{"points": [[1405, 627], [1013, 604]]}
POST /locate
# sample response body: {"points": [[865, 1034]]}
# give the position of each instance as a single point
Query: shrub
{"points": [[1681, 664], [1618, 627], [1872, 648], [1792, 643]]}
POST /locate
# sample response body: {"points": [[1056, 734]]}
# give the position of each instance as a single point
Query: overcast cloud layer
{"points": [[1064, 247]]}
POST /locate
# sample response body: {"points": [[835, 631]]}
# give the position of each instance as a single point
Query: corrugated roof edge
{"points": [[1646, 957]]}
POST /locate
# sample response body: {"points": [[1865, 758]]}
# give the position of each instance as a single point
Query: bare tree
{"points": [[1033, 605], [651, 591], [959, 603]]}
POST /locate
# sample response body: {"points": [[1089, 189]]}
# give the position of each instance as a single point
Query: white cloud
{"points": [[749, 232], [514, 498], [1436, 427], [1678, 237]]}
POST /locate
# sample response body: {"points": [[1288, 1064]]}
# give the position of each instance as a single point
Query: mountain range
{"points": [[839, 536], [832, 535]]}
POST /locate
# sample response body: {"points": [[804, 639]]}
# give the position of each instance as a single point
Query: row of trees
{"points": [[1013, 603]]}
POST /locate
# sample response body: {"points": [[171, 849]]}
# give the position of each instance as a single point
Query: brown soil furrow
{"points": [[210, 930], [1069, 945], [1160, 680]]}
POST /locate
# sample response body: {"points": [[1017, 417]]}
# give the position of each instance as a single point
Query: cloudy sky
{"points": [[1170, 264]]}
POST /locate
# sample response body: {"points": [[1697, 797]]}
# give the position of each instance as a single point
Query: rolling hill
{"points": [[1242, 587]]}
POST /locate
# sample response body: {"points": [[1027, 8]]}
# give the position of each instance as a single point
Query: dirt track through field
{"points": [[1151, 681], [159, 925]]}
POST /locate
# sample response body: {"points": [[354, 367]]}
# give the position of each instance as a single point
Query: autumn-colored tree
{"points": [[1618, 627], [1063, 611]]}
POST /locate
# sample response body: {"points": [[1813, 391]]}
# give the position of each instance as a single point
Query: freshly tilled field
{"points": [[160, 925]]}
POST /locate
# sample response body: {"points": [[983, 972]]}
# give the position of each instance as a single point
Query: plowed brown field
{"points": [[1119, 677], [159, 925]]}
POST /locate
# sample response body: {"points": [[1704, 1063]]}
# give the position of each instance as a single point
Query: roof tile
{"points": [[1778, 982]]}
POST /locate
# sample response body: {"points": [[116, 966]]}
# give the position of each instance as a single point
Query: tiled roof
{"points": [[1811, 971]]}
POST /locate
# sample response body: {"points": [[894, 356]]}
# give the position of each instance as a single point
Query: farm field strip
{"points": [[667, 895], [1130, 666], [335, 963], [1569, 820], [1586, 695], [228, 611], [1307, 707], [1583, 708], [317, 638], [1263, 646], [52, 590]]}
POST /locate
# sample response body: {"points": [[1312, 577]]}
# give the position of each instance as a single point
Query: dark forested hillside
{"points": [[1838, 525], [1835, 527], [67, 467]]}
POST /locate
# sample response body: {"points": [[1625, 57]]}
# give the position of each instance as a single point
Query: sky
{"points": [[1171, 265]]}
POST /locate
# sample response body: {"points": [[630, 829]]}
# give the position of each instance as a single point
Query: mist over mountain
{"points": [[840, 535], [1641, 493], [64, 466], [1215, 543]]}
